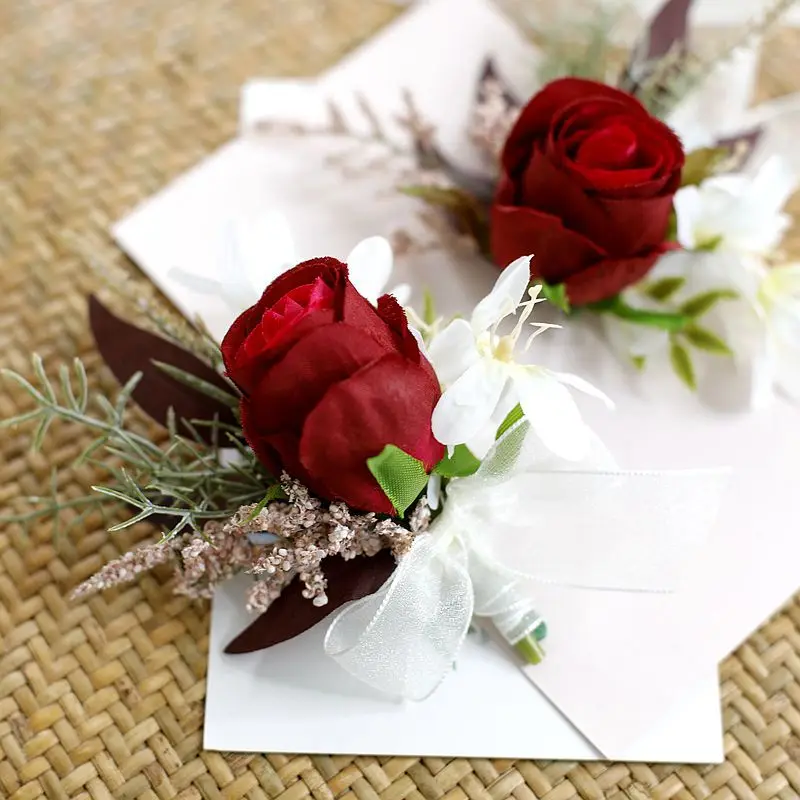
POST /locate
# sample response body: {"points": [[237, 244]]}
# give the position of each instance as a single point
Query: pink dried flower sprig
{"points": [[306, 532]]}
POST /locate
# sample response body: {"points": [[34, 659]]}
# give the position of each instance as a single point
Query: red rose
{"points": [[587, 181], [328, 381]]}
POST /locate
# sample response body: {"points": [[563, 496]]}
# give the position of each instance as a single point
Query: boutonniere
{"points": [[393, 479], [622, 195]]}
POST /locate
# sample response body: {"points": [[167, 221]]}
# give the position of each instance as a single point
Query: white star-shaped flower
{"points": [[477, 367], [737, 212]]}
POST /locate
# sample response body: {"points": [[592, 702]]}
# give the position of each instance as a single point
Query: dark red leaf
{"points": [[491, 75], [667, 32], [128, 350], [741, 145], [668, 29], [291, 613], [429, 157]]}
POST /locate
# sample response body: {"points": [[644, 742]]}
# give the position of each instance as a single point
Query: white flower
{"points": [[476, 366], [778, 299], [736, 212], [254, 253]]}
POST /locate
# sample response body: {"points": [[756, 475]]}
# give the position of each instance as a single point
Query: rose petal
{"points": [[288, 390], [537, 117], [608, 278], [558, 251], [389, 402], [555, 192], [330, 270]]}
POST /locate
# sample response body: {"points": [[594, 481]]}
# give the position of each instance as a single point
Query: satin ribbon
{"points": [[590, 527]]}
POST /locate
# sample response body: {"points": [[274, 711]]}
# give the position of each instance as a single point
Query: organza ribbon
{"points": [[593, 528]]}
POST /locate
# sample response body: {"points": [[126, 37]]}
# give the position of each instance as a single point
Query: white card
{"points": [[638, 652], [293, 699]]}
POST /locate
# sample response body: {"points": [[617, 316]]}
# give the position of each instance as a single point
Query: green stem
{"points": [[665, 320], [530, 649]]}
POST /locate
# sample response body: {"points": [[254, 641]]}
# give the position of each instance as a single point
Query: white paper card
{"points": [[290, 699]]}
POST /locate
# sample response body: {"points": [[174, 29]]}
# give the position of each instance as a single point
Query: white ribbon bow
{"points": [[594, 528]]}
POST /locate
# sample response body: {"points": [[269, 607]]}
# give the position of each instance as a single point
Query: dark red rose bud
{"points": [[328, 381], [588, 177]]}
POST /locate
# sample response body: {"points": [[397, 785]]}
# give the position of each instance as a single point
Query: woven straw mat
{"points": [[102, 104]]}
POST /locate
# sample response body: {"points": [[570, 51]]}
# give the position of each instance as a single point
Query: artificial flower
{"points": [[256, 252], [328, 380], [587, 181], [737, 212], [779, 301], [477, 367]]}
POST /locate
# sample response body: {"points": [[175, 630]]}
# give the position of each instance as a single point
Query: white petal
{"points": [[370, 263], [401, 293], [581, 385], [509, 290], [453, 351], [774, 184], [434, 493], [465, 409], [688, 209], [265, 248], [552, 413]]}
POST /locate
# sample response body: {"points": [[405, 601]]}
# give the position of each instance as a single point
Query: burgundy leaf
{"points": [[128, 350], [490, 76], [429, 157], [741, 145], [291, 613], [668, 29]]}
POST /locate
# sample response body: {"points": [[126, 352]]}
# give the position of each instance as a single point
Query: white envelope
{"points": [[639, 652]]}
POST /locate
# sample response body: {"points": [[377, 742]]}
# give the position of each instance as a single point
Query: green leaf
{"points": [[682, 364], [664, 289], [514, 416], [468, 213], [702, 163], [639, 362], [702, 303], [672, 227], [704, 339], [461, 464], [557, 295], [709, 245], [401, 476], [274, 492]]}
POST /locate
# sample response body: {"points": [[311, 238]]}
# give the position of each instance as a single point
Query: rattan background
{"points": [[104, 101]]}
